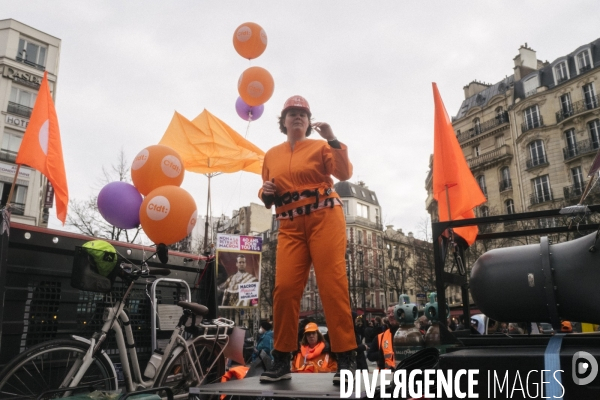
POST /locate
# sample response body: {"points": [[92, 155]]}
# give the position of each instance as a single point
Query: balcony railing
{"points": [[489, 156], [505, 184], [500, 119], [6, 155], [561, 79], [536, 162], [17, 208], [19, 109], [537, 198], [31, 64], [583, 147], [578, 107], [536, 123], [353, 219], [573, 192]]}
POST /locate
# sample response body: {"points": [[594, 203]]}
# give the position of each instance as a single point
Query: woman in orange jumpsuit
{"points": [[297, 180]]}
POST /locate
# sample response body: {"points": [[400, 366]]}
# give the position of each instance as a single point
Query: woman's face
{"points": [[296, 121], [312, 338]]}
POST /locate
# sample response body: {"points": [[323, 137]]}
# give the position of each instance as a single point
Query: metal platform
{"points": [[318, 386]]}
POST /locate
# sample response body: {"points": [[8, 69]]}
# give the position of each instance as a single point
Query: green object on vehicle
{"points": [[103, 254]]}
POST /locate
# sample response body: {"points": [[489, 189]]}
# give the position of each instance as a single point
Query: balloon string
{"points": [[248, 127]]}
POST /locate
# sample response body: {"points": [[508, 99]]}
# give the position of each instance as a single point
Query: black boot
{"points": [[280, 369], [345, 360]]}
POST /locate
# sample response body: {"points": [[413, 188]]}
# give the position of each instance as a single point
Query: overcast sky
{"points": [[366, 67]]}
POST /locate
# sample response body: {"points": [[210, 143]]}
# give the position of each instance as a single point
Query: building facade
{"points": [[530, 138], [25, 53]]}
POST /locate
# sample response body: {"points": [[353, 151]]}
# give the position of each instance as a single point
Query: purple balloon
{"points": [[245, 111], [119, 203]]}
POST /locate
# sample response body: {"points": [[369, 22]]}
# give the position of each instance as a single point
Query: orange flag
{"points": [[451, 172], [41, 147]]}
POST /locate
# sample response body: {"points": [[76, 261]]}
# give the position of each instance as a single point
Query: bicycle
{"points": [[192, 357]]}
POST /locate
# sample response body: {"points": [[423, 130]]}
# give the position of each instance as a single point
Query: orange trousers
{"points": [[319, 239]]}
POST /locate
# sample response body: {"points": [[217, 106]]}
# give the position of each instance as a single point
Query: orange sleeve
{"points": [[337, 162]]}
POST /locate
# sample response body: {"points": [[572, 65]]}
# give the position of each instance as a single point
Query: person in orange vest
{"points": [[381, 348], [297, 179], [314, 352]]}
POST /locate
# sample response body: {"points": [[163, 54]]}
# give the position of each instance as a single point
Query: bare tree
{"points": [[85, 216]]}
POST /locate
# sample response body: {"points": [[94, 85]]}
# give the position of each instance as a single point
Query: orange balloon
{"points": [[250, 40], [168, 214], [156, 166], [255, 86]]}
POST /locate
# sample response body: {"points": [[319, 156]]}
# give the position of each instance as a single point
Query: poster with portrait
{"points": [[238, 270]]}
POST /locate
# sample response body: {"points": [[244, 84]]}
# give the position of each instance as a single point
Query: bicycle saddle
{"points": [[196, 308]]}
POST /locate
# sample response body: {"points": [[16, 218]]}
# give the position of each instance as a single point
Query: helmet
{"points": [[103, 254], [296, 102], [311, 327]]}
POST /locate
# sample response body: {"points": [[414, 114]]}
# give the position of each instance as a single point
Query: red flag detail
{"points": [[41, 147], [451, 172]]}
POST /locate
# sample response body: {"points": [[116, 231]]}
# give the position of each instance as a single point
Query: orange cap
{"points": [[296, 102], [566, 326], [311, 327]]}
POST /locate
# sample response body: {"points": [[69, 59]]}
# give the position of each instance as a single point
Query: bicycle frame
{"points": [[116, 316]]}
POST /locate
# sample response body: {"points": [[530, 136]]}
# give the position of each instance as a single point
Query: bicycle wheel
{"points": [[44, 367], [178, 372]]}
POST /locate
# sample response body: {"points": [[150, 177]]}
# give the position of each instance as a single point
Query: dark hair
{"points": [[241, 256], [320, 338], [266, 325], [283, 129]]}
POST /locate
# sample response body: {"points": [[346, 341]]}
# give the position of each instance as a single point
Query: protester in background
{"points": [[382, 347], [314, 354], [370, 332], [264, 340], [361, 360], [297, 179]]}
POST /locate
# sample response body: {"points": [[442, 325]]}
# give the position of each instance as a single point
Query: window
{"points": [[345, 205], [476, 151], [500, 141], [363, 193], [484, 211], [589, 95], [381, 297], [583, 61], [477, 126], [541, 189], [360, 236], [565, 105], [31, 53], [594, 128], [571, 150], [505, 182], [21, 102], [373, 196], [561, 73], [377, 216], [481, 182], [362, 210], [19, 197], [509, 206], [532, 117], [391, 296], [537, 153], [577, 177], [353, 190], [412, 292], [530, 86], [10, 146], [500, 116], [369, 239]]}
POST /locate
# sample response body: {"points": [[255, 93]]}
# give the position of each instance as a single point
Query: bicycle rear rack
{"points": [[217, 328]]}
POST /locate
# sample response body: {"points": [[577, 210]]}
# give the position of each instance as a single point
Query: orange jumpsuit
{"points": [[317, 238]]}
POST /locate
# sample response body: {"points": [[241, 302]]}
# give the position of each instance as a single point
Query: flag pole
{"points": [[448, 203], [12, 188]]}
